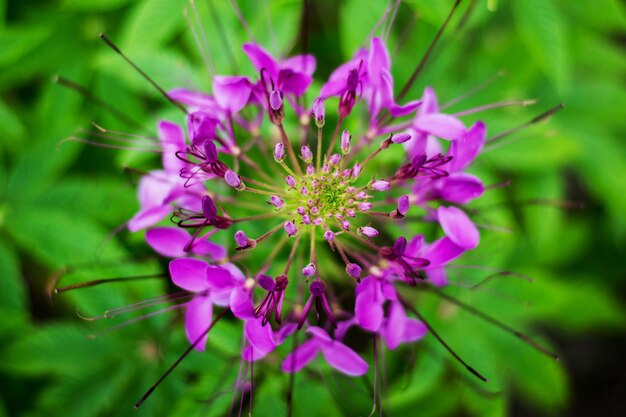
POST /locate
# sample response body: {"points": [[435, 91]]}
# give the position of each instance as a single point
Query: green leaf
{"points": [[60, 349], [12, 287], [150, 25], [94, 5], [543, 31]]}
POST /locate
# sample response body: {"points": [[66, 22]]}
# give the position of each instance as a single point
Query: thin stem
{"points": [[180, 359], [439, 339], [329, 151], [292, 253], [287, 144], [319, 148]]}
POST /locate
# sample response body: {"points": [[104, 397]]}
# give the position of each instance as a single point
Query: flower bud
{"points": [[367, 231], [379, 185], [319, 112], [401, 137], [290, 181], [277, 201], [291, 229], [279, 152], [233, 180], [329, 236], [241, 239], [308, 270], [346, 138], [209, 211], [354, 270], [307, 155], [334, 159]]}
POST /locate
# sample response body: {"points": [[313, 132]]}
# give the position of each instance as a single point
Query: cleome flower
{"points": [[308, 210]]}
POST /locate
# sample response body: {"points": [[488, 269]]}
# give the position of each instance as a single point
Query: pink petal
{"points": [[261, 59], [441, 252], [250, 354], [429, 103], [333, 88], [437, 276], [301, 356], [212, 250], [197, 319], [154, 189], [305, 64], [413, 330], [168, 241], [458, 227], [241, 303], [172, 140], [189, 274], [259, 336], [231, 92], [464, 150], [394, 330], [368, 307], [218, 278], [460, 188], [320, 334], [148, 217], [377, 61], [441, 125], [344, 359], [194, 99]]}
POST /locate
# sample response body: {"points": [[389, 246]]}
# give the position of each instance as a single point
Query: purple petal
{"points": [[218, 278], [189, 274], [304, 64], [259, 336], [458, 227], [212, 250], [368, 307], [429, 103], [293, 82], [402, 110], [377, 61], [155, 188], [441, 125], [413, 330], [441, 252], [148, 217], [301, 356], [464, 150], [261, 59], [284, 332], [344, 359], [320, 334], [197, 319], [333, 88], [241, 303], [394, 330], [168, 241], [460, 188], [437, 276], [231, 92], [250, 354], [194, 99], [172, 140]]}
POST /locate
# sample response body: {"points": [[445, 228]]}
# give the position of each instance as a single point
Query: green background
{"points": [[60, 203]]}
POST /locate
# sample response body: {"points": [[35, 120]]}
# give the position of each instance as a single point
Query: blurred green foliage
{"points": [[60, 201]]}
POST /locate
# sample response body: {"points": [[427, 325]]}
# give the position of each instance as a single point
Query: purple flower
{"points": [[171, 242], [291, 76], [211, 285], [232, 93], [337, 355]]}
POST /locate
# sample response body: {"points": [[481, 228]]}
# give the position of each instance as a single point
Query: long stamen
{"points": [[143, 74], [134, 320], [496, 105], [180, 359], [534, 120], [412, 309], [494, 321], [420, 66], [473, 91], [96, 100], [101, 281]]}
